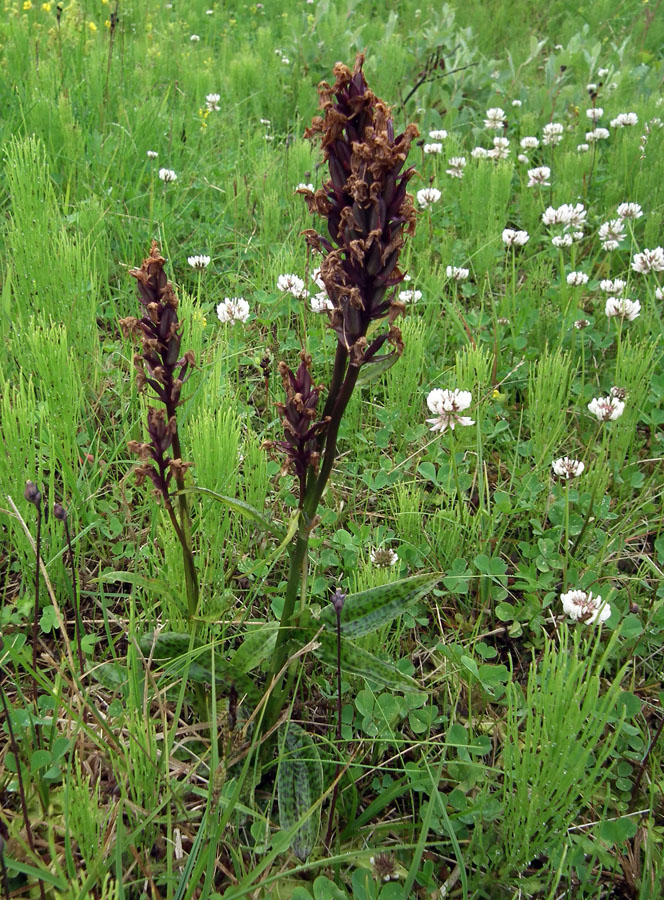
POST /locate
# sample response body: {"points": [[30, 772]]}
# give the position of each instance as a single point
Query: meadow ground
{"points": [[409, 644]]}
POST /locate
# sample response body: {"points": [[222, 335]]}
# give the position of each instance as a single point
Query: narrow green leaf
{"points": [[369, 610], [299, 787], [356, 661], [239, 506], [278, 551], [373, 369]]}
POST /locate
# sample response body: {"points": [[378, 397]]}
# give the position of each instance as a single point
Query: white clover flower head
{"points": [[321, 303], [457, 165], [577, 278], [512, 238], [577, 235], [479, 153], [595, 113], [212, 101], [591, 87], [495, 118], [606, 409], [562, 240], [517, 103], [612, 285], [623, 120], [552, 134], [572, 217], [522, 158], [265, 122], [584, 607], [152, 154], [612, 233], [539, 177], [195, 38], [384, 558], [438, 134], [233, 309], [285, 60], [629, 211], [167, 175], [433, 148], [623, 308], [410, 296], [566, 467], [446, 406], [659, 293], [602, 73], [501, 148], [529, 143], [583, 148], [597, 134], [199, 262], [209, 12], [304, 186], [580, 324], [428, 196], [619, 392], [457, 273], [292, 284], [649, 261]]}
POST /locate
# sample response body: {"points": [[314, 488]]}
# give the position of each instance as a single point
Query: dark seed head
{"points": [[31, 494], [60, 512], [337, 599]]}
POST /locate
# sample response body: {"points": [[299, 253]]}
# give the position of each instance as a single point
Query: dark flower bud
{"points": [[60, 512], [338, 598], [31, 494]]}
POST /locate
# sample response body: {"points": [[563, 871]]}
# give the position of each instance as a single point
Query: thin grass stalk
{"points": [[21, 787], [3, 868], [60, 513], [32, 495]]}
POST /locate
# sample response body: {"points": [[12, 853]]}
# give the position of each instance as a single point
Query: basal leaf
{"points": [[299, 787], [256, 647], [356, 661], [368, 610]]}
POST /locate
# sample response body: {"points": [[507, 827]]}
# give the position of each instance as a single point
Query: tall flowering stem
{"points": [[368, 213], [162, 367]]}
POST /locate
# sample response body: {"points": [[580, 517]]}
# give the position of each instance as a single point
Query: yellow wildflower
{"points": [[27, 5], [92, 26], [107, 23], [46, 7]]}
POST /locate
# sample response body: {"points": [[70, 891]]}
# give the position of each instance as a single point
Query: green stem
{"points": [[566, 536], [456, 479], [312, 499], [298, 551], [297, 554], [184, 535]]}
